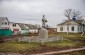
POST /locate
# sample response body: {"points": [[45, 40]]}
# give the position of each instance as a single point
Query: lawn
{"points": [[21, 47], [73, 36], [63, 44], [18, 46]]}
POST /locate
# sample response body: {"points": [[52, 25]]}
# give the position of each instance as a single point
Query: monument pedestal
{"points": [[43, 34]]}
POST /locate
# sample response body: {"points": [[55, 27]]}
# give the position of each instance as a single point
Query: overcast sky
{"points": [[31, 11]]}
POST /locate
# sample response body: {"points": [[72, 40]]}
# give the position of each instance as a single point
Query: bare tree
{"points": [[70, 13]]}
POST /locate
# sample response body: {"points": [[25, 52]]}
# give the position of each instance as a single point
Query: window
{"points": [[67, 28], [14, 25], [79, 28], [72, 28], [2, 23], [5, 23], [61, 28]]}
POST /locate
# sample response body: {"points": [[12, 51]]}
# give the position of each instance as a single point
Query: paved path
{"points": [[63, 51]]}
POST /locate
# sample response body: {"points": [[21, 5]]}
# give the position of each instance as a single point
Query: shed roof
{"points": [[22, 26], [31, 26]]}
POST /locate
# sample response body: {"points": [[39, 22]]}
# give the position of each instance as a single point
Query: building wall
{"points": [[76, 29], [33, 30], [84, 28], [25, 31], [16, 27], [3, 26], [21, 31]]}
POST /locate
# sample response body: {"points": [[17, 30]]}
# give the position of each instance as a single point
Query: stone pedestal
{"points": [[43, 33]]}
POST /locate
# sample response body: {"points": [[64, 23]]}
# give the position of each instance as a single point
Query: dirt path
{"points": [[47, 53], [63, 51]]}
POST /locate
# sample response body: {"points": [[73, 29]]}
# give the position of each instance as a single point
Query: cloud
{"points": [[26, 10]]}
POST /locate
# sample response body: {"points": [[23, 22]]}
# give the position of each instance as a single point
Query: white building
{"points": [[23, 29], [4, 23], [17, 28], [71, 26], [32, 28]]}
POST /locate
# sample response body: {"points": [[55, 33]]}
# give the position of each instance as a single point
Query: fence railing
{"points": [[40, 39]]}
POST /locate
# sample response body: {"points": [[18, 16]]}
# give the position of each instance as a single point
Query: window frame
{"points": [[72, 28], [4, 23], [14, 25], [61, 28], [67, 28]]}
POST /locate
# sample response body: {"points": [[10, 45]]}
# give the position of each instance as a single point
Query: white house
{"points": [[23, 28], [71, 26], [15, 28], [32, 28], [4, 23], [4, 27]]}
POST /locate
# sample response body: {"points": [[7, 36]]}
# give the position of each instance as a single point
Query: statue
{"points": [[44, 22], [43, 33]]}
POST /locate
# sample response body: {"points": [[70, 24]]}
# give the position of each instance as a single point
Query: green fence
{"points": [[5, 32]]}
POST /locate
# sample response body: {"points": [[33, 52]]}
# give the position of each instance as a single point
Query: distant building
{"points": [[52, 29], [5, 27], [72, 26], [4, 23], [32, 28], [16, 28], [23, 29]]}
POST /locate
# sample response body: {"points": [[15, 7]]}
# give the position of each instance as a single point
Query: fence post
{"points": [[62, 38], [19, 39], [42, 41], [57, 38], [29, 40]]}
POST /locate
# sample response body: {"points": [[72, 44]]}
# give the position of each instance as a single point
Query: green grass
{"points": [[62, 44], [14, 46], [18, 47], [75, 36], [70, 35]]}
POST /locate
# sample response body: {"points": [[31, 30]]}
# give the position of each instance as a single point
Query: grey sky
{"points": [[31, 11]]}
